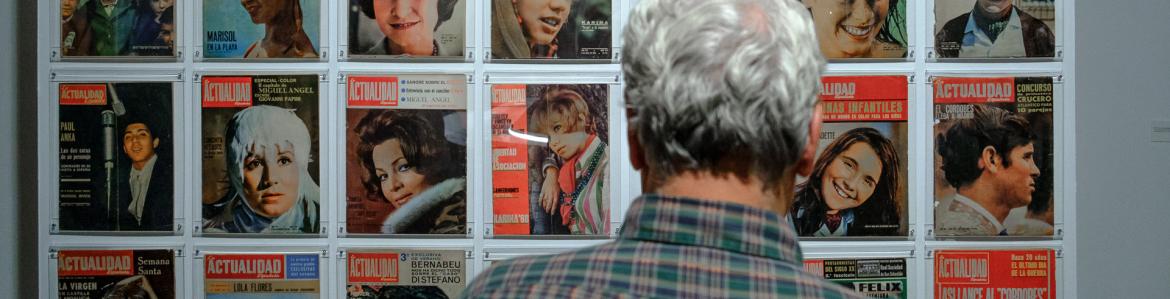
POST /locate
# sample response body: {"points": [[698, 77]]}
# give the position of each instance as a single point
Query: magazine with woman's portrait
{"points": [[407, 29], [858, 29], [260, 154], [858, 185], [552, 29], [550, 159], [258, 29], [406, 154]]}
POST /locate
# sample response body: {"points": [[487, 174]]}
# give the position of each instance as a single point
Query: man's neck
{"points": [[984, 193], [139, 165], [729, 188]]}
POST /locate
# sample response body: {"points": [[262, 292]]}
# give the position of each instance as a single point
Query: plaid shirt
{"points": [[671, 248]]}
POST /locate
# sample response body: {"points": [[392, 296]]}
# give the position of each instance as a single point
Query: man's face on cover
{"points": [[993, 8], [167, 34], [138, 143], [67, 8], [1018, 181]]}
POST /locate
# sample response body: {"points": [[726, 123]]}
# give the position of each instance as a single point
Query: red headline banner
{"points": [[957, 90], [852, 88], [227, 92], [373, 267], [372, 91], [82, 94], [243, 266], [874, 110], [510, 160], [95, 263], [995, 273]]}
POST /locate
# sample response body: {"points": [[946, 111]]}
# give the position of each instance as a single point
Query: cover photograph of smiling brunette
{"points": [[407, 28]]}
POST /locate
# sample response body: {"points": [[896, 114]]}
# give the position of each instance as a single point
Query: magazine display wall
{"points": [[332, 149]]}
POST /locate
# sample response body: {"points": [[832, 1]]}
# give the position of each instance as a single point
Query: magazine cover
{"points": [[995, 274], [554, 29], [406, 154], [99, 274], [261, 28], [260, 154], [106, 28], [995, 28], [993, 148], [858, 186], [116, 157], [412, 28], [406, 274], [262, 275], [874, 278], [860, 29], [550, 159]]}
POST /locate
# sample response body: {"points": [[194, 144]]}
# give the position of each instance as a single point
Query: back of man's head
{"points": [[721, 86]]}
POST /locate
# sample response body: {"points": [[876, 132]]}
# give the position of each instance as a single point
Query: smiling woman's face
{"points": [[542, 19], [851, 177], [847, 28], [399, 179], [271, 178], [409, 24]]}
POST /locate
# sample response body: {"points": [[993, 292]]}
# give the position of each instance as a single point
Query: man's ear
{"points": [[636, 157], [808, 155], [989, 159], [156, 143]]}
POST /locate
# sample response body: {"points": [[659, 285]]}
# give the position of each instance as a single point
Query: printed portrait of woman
{"points": [[859, 28], [407, 160], [569, 173], [523, 29], [408, 26], [852, 190], [284, 34], [272, 191]]}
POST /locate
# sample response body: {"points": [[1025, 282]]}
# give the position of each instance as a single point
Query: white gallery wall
{"points": [[1122, 68], [1123, 183]]}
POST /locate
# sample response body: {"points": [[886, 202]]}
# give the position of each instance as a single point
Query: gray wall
{"points": [[1123, 184], [17, 150]]}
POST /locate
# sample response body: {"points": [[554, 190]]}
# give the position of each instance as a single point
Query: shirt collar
{"points": [[979, 208], [715, 224], [1013, 21], [147, 168]]}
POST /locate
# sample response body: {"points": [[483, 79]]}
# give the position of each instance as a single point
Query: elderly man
{"points": [[721, 98]]}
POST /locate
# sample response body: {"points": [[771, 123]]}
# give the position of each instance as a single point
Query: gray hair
{"points": [[265, 125], [727, 86]]}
